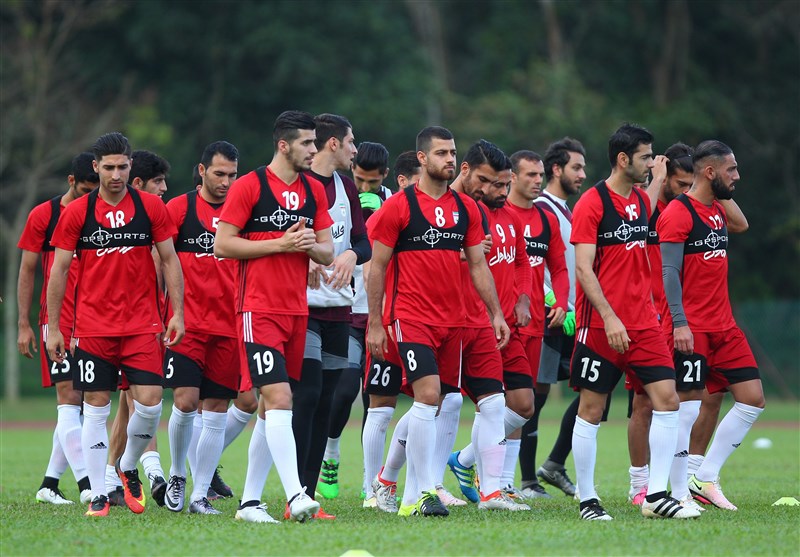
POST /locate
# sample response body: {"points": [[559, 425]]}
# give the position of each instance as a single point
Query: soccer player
{"points": [[117, 322], [424, 230], [618, 330], [149, 172], [274, 221], [545, 248], [711, 351], [565, 170], [485, 176], [330, 297], [35, 241], [205, 365], [370, 168], [407, 169]]}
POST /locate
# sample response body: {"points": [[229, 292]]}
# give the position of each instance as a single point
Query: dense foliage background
{"points": [[174, 76]]}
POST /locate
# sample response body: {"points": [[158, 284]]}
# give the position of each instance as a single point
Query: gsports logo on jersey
{"points": [[624, 232], [280, 219], [204, 241], [713, 240], [432, 236], [101, 237]]}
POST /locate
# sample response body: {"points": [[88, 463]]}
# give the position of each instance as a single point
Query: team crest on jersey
{"points": [[343, 209], [455, 217]]}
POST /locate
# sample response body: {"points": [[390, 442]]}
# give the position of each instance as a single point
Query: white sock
{"points": [[396, 456], [332, 449], [410, 491], [94, 442], [513, 421], [510, 462], [236, 421], [141, 429], [373, 441], [584, 453], [489, 440], [467, 456], [197, 430], [259, 462], [678, 477], [446, 430], [57, 464], [694, 462], [180, 438], [729, 435], [639, 476], [112, 479], [663, 439], [280, 437], [151, 463], [209, 451], [421, 443], [68, 429]]}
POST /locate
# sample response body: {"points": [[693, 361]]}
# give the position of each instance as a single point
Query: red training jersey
{"points": [[427, 273], [117, 292], [654, 256], [618, 227], [704, 276], [274, 283], [208, 281]]}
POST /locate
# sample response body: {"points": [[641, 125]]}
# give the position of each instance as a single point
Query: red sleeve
{"points": [[586, 218], [32, 238], [359, 227], [68, 229], [177, 208], [160, 221], [674, 224], [557, 263], [475, 234], [322, 219], [242, 197], [523, 275], [393, 217]]}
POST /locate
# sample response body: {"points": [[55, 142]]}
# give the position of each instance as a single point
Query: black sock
{"points": [[83, 484], [50, 483], [656, 496], [305, 398], [563, 444], [530, 441], [346, 392], [319, 428]]}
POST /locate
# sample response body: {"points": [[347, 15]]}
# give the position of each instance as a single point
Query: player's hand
{"points": [[55, 345], [370, 200], [486, 244], [660, 169], [376, 340], [556, 317], [501, 331], [569, 323], [617, 335], [299, 238], [316, 273], [522, 311], [175, 331], [684, 339], [26, 340], [342, 269], [550, 299]]}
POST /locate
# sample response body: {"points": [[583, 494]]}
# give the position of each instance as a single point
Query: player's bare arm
{"points": [[737, 222], [484, 284], [55, 298], [522, 310], [321, 249], [672, 262], [26, 338], [173, 278], [341, 270], [556, 316], [615, 331], [659, 177], [376, 335], [230, 245]]}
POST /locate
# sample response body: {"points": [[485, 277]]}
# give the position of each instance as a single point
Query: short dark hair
{"points": [[372, 156], [146, 166], [680, 158], [197, 180], [406, 164], [558, 154], [227, 150], [486, 152], [426, 136], [288, 123], [709, 149], [82, 169], [523, 155], [113, 143], [626, 140], [330, 125]]}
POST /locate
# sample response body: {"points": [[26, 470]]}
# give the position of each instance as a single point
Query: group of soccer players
{"points": [[292, 289]]}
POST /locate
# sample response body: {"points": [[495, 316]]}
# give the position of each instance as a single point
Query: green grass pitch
{"points": [[753, 479]]}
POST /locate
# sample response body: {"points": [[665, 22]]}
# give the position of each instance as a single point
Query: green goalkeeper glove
{"points": [[569, 324], [550, 299], [370, 200]]}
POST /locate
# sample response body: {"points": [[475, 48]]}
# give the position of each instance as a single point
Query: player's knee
{"points": [[246, 402]]}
